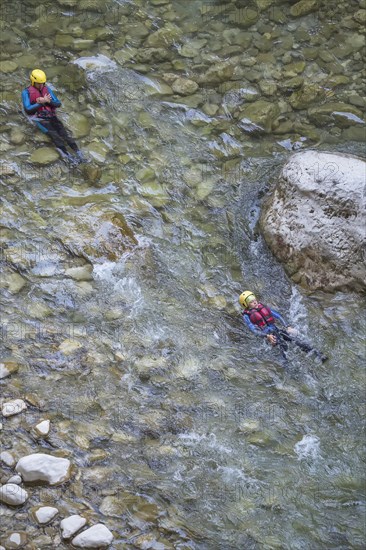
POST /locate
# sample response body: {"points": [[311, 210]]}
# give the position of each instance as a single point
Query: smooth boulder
{"points": [[314, 221], [98, 536], [12, 494], [45, 468]]}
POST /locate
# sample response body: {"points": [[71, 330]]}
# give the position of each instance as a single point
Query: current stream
{"points": [[184, 429]]}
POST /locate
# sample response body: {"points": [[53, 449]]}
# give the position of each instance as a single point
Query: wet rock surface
{"points": [[314, 220]]}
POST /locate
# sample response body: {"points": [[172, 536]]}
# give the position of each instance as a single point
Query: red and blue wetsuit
{"points": [[261, 320], [44, 115]]}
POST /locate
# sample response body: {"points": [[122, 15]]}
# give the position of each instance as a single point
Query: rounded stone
{"points": [[98, 536], [44, 155], [8, 66], [16, 406], [314, 220], [45, 514], [41, 467], [184, 86], [71, 525], [12, 494]]}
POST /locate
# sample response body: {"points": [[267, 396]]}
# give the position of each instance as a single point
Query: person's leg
{"points": [[64, 134], [47, 128], [307, 348]]}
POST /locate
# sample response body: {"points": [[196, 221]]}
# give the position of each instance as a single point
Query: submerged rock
{"points": [[8, 367], [315, 220], [44, 155]]}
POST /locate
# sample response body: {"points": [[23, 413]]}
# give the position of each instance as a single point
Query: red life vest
{"points": [[45, 110], [260, 316]]}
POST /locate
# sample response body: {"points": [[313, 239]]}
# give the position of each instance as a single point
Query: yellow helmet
{"points": [[37, 76], [246, 297]]}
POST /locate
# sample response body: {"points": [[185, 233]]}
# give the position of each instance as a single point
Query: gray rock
{"points": [[314, 221]]}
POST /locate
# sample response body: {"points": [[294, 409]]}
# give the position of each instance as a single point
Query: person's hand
{"points": [[272, 339], [48, 98], [292, 331]]}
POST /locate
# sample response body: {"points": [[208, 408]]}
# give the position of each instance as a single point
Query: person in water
{"points": [[40, 104], [261, 320]]}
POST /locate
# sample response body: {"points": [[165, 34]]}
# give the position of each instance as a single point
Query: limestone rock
{"points": [[8, 66], [82, 273], [262, 114], [42, 467], [71, 525], [15, 479], [16, 406], [303, 7], [12, 494], [184, 86], [340, 114], [43, 428], [98, 536], [44, 155], [45, 514], [15, 540], [314, 221], [7, 458]]}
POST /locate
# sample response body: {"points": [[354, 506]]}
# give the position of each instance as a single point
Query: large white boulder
{"points": [[98, 536], [315, 221], [42, 467], [12, 494], [71, 525]]}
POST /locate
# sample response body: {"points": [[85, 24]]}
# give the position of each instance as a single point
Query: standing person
{"points": [[261, 320], [40, 104]]}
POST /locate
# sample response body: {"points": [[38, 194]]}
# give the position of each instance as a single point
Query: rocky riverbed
{"points": [[136, 410]]}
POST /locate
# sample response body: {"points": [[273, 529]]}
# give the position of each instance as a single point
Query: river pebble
{"points": [[7, 458], [98, 536], [43, 428], [71, 525], [15, 479], [12, 494], [45, 514], [11, 408], [42, 467]]}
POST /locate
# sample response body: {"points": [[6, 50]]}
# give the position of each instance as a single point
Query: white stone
{"points": [[43, 427], [13, 407], [96, 63], [42, 467], [15, 479], [45, 514], [71, 525], [83, 273], [12, 494], [98, 536], [315, 220], [7, 458]]}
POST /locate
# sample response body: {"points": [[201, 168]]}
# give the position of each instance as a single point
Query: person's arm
{"points": [[252, 327], [29, 108], [279, 317], [55, 102]]}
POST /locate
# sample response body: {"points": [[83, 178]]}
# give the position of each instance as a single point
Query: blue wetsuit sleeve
{"points": [[279, 317], [55, 102], [28, 107], [252, 327]]}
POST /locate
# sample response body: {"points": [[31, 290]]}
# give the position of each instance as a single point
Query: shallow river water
{"points": [[183, 429]]}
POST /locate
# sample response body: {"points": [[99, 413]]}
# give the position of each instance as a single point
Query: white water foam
{"points": [[297, 313], [308, 447]]}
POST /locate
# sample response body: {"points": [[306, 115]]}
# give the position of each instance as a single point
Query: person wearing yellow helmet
{"points": [[261, 320], [40, 104]]}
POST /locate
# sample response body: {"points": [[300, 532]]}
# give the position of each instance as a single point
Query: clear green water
{"points": [[197, 420]]}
